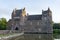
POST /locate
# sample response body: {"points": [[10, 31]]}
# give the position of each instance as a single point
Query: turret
{"points": [[46, 14], [49, 12], [13, 13], [23, 12], [47, 20], [47, 17]]}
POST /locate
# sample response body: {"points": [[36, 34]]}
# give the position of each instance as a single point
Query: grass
{"points": [[1, 35]]}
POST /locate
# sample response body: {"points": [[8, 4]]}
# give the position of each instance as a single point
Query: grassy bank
{"points": [[1, 35]]}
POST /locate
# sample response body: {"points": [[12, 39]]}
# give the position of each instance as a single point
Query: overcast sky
{"points": [[32, 7]]}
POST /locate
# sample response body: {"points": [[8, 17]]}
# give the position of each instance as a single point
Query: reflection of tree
{"points": [[56, 27]]}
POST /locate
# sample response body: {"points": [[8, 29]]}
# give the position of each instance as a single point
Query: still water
{"points": [[38, 36], [35, 37], [56, 39]]}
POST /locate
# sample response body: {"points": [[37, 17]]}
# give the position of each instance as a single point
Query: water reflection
{"points": [[57, 39], [56, 36], [34, 37], [38, 37]]}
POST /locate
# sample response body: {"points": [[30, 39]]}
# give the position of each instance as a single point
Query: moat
{"points": [[34, 37], [31, 36]]}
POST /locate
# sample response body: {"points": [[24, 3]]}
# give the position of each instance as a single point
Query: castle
{"points": [[31, 23]]}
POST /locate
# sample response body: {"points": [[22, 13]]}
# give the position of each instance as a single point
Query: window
{"points": [[45, 18], [30, 23], [37, 23], [39, 29], [45, 15]]}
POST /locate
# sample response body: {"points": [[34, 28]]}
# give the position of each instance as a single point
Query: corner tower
{"points": [[47, 20], [18, 19]]}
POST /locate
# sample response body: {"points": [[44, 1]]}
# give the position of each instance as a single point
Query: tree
{"points": [[3, 23], [56, 26]]}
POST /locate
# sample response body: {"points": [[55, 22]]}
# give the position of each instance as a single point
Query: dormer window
{"points": [[45, 15]]}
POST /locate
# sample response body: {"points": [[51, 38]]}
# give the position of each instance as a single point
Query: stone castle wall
{"points": [[36, 23], [8, 31]]}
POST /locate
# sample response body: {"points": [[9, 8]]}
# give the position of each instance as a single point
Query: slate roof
{"points": [[34, 17], [18, 12]]}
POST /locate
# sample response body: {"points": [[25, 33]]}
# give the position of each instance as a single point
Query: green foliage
{"points": [[56, 26], [56, 31], [3, 23]]}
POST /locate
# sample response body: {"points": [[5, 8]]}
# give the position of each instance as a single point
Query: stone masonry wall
{"points": [[8, 31]]}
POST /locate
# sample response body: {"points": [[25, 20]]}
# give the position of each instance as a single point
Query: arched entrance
{"points": [[16, 28]]}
